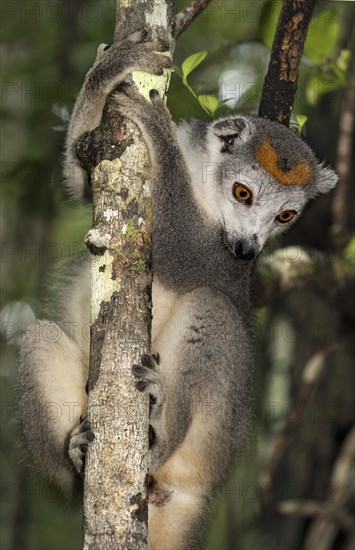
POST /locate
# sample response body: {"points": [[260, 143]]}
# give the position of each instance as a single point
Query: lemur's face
{"points": [[261, 178], [252, 208]]}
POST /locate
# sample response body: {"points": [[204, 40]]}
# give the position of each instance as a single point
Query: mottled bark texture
{"points": [[115, 494], [280, 83]]}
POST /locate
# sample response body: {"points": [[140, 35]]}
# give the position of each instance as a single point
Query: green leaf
{"points": [[299, 122], [301, 119], [209, 102], [223, 101], [343, 60], [192, 62], [323, 35], [349, 252]]}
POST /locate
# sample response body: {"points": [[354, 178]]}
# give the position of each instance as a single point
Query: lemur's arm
{"points": [[112, 65], [177, 247]]}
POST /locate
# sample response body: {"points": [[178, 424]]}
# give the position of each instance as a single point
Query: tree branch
{"points": [[281, 79], [186, 16], [115, 495]]}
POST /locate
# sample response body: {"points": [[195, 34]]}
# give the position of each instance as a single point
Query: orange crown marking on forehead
{"points": [[267, 157]]}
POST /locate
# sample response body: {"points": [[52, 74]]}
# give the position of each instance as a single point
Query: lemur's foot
{"points": [[149, 378], [79, 441]]}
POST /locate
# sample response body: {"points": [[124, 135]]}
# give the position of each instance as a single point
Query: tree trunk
{"points": [[115, 495]]}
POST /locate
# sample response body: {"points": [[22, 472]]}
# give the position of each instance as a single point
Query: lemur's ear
{"points": [[327, 179], [232, 132]]}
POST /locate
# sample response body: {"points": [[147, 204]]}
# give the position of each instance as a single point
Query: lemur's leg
{"points": [[205, 369], [178, 495], [52, 378], [112, 65]]}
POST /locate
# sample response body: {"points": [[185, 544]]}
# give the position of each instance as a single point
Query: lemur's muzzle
{"points": [[246, 250]]}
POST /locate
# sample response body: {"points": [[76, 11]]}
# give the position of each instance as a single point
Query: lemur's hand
{"points": [[79, 441], [149, 379], [114, 63], [152, 117]]}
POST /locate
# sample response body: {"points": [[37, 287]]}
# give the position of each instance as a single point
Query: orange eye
{"points": [[242, 193], [286, 216]]}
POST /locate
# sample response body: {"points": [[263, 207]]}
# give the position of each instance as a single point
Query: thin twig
{"points": [[186, 16]]}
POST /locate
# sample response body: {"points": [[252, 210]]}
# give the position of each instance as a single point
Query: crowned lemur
{"points": [[220, 190]]}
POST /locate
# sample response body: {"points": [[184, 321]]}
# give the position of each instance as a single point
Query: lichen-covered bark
{"points": [[280, 83], [115, 496]]}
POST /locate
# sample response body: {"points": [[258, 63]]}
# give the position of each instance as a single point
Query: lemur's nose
{"points": [[245, 251]]}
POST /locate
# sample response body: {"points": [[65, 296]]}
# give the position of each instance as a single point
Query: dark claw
{"points": [[90, 436], [146, 361], [149, 481], [85, 425], [138, 370], [152, 399], [156, 358], [163, 45], [144, 34], [158, 71], [107, 47], [153, 94], [123, 87], [166, 62], [152, 436], [137, 36], [141, 385], [84, 448]]}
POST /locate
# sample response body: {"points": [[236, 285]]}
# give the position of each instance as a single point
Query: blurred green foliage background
{"points": [[47, 47]]}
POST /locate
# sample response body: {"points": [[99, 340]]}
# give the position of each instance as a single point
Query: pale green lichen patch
{"points": [[132, 246], [146, 82], [102, 283], [105, 176]]}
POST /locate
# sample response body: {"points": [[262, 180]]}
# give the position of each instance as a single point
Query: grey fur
{"points": [[202, 382]]}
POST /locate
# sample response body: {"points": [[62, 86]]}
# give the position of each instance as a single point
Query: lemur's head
{"points": [[258, 178]]}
